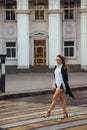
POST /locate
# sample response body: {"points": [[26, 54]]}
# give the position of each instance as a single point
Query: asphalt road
{"points": [[80, 98], [26, 113]]}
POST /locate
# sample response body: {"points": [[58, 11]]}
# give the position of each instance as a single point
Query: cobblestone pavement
{"points": [[26, 113]]}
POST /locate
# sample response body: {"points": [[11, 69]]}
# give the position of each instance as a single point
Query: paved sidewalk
{"points": [[36, 82]]}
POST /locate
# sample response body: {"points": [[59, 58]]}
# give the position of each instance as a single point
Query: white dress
{"points": [[58, 78]]}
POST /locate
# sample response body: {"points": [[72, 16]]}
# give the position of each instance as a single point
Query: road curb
{"points": [[4, 96]]}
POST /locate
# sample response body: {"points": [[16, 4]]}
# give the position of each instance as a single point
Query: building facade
{"points": [[34, 32]]}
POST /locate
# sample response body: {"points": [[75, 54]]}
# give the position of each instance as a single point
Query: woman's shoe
{"points": [[46, 115], [65, 116]]}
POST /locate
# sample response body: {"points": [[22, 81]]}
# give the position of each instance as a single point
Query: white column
{"points": [[54, 31], [23, 33], [84, 34]]}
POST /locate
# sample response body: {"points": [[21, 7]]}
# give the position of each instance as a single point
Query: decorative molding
{"points": [[83, 11], [68, 29], [38, 35], [10, 30], [22, 12], [54, 11], [40, 32]]}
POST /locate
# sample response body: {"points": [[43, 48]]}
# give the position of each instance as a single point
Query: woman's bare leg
{"points": [[56, 95], [54, 99], [65, 114], [63, 102]]}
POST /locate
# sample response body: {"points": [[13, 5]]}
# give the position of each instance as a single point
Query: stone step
{"points": [[40, 69]]}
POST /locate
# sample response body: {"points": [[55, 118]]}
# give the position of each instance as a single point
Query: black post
{"points": [[2, 85]]}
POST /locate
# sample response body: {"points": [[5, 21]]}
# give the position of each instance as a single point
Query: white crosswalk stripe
{"points": [[22, 114]]}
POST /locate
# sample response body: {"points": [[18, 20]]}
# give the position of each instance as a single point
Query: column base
{"points": [[84, 67], [51, 66]]}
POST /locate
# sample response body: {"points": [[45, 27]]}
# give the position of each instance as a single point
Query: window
{"points": [[10, 12], [11, 49], [69, 48], [39, 10], [39, 14], [69, 10]]}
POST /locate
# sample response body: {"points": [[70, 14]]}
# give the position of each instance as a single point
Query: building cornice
{"points": [[82, 10], [54, 11], [22, 12]]}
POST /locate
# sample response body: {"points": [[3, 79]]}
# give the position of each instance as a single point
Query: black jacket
{"points": [[65, 79]]}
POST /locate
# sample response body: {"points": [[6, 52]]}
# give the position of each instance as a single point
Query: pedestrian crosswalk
{"points": [[28, 116]]}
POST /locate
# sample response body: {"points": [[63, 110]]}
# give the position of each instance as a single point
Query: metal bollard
{"points": [[2, 83]]}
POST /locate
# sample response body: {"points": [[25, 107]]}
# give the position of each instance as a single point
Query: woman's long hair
{"points": [[63, 61]]}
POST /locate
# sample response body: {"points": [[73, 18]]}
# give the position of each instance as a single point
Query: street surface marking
{"points": [[25, 115]]}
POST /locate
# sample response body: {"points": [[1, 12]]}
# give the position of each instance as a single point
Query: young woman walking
{"points": [[61, 83]]}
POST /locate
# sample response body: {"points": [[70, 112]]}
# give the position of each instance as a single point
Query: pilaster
{"points": [[23, 33], [83, 12], [54, 31]]}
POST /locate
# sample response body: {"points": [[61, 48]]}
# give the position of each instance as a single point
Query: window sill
{"points": [[69, 20], [13, 21], [11, 59], [39, 20], [70, 58]]}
